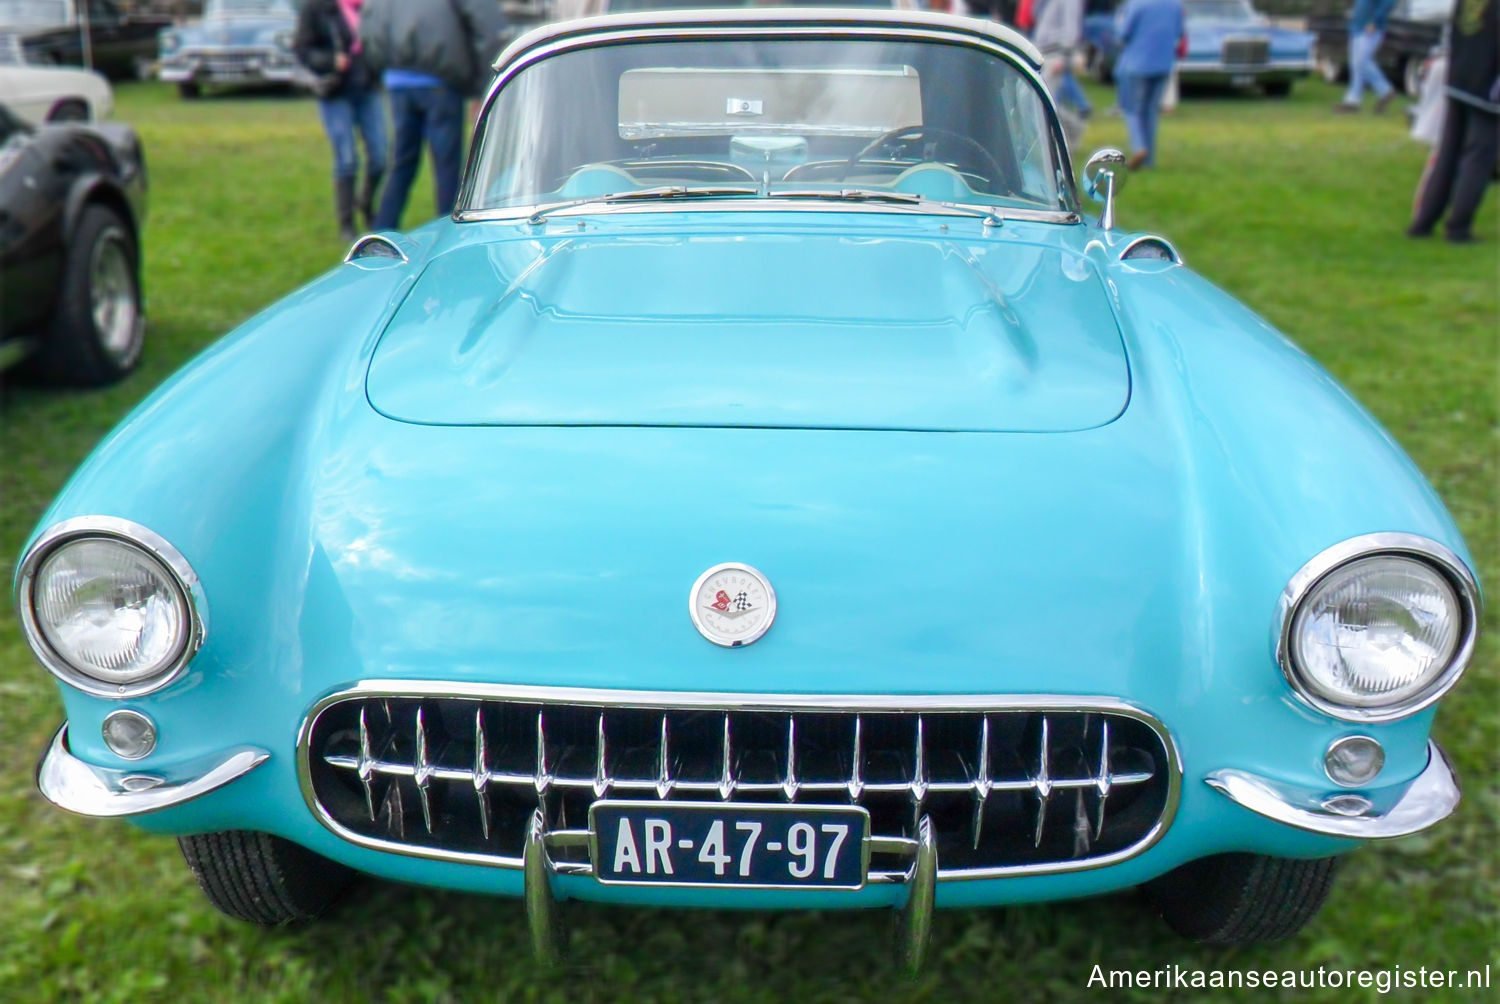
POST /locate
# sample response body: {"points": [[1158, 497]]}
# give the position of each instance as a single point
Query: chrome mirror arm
{"points": [[1102, 180]]}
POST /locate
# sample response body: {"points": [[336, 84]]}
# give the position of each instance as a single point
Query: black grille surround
{"points": [[1012, 784], [1246, 52]]}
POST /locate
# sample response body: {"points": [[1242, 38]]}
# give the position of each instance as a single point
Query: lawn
{"points": [[1294, 210]]}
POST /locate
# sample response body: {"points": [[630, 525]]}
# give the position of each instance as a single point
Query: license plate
{"points": [[728, 844], [1242, 79]]}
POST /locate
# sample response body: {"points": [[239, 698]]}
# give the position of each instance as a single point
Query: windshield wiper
{"points": [[879, 195], [647, 195]]}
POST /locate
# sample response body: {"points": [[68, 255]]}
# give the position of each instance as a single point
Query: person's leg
{"points": [[1438, 181], [406, 157], [370, 112], [1150, 110], [445, 134], [1128, 87], [1476, 163], [1374, 79], [1356, 92], [1170, 93], [1072, 90], [338, 123]]}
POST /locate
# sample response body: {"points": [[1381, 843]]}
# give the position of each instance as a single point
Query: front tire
{"points": [[188, 90], [99, 328], [1242, 899], [262, 879], [1277, 88]]}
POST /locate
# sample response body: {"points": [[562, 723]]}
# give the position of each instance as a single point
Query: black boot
{"points": [[343, 196], [367, 197]]}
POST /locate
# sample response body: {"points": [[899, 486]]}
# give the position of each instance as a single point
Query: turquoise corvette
{"points": [[767, 490]]}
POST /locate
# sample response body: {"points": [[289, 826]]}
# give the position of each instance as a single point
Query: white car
{"points": [[51, 93]]}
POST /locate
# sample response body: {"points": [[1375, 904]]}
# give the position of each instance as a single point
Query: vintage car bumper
{"points": [[1214, 71], [1204, 809], [229, 66]]}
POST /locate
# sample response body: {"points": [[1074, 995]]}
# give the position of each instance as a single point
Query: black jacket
{"points": [[1474, 52], [453, 40], [322, 33]]}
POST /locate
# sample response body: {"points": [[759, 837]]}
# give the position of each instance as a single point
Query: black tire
{"points": [[188, 90], [263, 879], [69, 110], [1242, 899], [102, 260], [1411, 77], [1277, 88]]}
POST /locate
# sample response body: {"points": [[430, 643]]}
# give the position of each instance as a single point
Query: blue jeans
{"points": [[352, 110], [1070, 92], [1363, 70], [1140, 103], [433, 114]]}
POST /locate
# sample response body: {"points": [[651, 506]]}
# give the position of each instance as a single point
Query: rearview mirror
{"points": [[1102, 178]]}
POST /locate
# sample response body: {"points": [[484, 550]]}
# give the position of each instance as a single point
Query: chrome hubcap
{"points": [[112, 297]]}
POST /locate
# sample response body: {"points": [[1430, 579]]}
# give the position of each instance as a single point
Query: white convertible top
{"points": [[832, 17]]}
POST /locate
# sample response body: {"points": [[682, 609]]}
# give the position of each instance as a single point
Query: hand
{"points": [[341, 62]]}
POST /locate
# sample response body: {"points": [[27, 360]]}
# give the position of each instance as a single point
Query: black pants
{"points": [[1463, 166]]}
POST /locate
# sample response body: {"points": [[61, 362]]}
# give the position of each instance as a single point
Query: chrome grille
{"points": [[1246, 51], [1009, 784]]}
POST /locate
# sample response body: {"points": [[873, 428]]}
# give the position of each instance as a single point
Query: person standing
{"points": [[1366, 30], [327, 43], [433, 56], [1150, 32], [1059, 33], [1470, 144]]}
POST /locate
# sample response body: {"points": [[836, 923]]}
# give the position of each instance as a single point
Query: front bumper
{"points": [[1213, 71], [237, 67]]}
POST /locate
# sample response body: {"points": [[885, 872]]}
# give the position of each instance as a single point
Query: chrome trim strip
{"points": [[676, 700], [1430, 798], [542, 917], [1188, 68], [1365, 546], [833, 204], [112, 527], [356, 249], [70, 783], [589, 32]]}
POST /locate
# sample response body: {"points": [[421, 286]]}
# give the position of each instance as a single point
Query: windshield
{"points": [[797, 118], [229, 8], [616, 6], [1221, 10], [31, 12]]}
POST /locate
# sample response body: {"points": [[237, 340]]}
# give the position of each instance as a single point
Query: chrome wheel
{"points": [[112, 297]]}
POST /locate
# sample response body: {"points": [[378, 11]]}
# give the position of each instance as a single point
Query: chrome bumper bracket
{"points": [[914, 926], [70, 783], [542, 917], [1431, 797]]}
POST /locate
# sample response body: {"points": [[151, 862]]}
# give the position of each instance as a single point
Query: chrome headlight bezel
{"points": [[1402, 545], [153, 547]]}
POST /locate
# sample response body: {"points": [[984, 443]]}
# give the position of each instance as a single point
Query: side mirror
{"points": [[1102, 178]]}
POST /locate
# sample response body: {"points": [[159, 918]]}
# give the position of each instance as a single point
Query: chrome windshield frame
{"points": [[591, 33]]}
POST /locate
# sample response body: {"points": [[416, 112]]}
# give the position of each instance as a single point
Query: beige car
{"points": [[51, 93]]}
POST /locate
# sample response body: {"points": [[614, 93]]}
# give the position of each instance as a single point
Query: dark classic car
{"points": [[238, 42], [1414, 29], [72, 200], [94, 33]]}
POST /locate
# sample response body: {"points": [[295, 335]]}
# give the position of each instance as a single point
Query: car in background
{"points": [[72, 202], [50, 93], [99, 34], [1229, 44], [244, 43], [1415, 28], [771, 487]]}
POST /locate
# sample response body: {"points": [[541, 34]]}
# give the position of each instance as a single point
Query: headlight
{"points": [[1378, 627], [109, 607]]}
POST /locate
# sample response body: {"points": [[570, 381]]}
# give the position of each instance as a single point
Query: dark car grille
{"points": [[1246, 51], [1007, 788]]}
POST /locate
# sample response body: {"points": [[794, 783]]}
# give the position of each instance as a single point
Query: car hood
{"points": [[761, 329]]}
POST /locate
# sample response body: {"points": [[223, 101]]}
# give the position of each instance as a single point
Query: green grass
{"points": [[1294, 210]]}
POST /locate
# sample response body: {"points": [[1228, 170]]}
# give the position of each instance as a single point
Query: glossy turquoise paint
{"points": [[1138, 558]]}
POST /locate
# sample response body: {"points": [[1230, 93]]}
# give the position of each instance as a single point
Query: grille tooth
{"points": [[481, 772], [1042, 782], [990, 779]]}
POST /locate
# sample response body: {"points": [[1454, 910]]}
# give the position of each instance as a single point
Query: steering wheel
{"points": [[907, 136]]}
